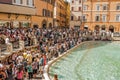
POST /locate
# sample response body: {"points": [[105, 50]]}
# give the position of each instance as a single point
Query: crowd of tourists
{"points": [[16, 34], [52, 42]]}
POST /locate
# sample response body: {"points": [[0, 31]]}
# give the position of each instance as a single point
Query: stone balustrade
{"points": [[13, 47]]}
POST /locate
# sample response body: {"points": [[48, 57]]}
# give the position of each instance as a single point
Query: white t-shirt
{"points": [[1, 65], [20, 59], [7, 40]]}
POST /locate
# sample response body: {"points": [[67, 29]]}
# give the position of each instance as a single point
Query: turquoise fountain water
{"points": [[90, 61]]}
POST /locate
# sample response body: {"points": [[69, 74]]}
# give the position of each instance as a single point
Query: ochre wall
{"points": [[111, 14], [38, 18]]}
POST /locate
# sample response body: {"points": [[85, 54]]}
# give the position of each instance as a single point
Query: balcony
{"points": [[17, 9]]}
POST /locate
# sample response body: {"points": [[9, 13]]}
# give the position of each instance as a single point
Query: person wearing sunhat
{"points": [[29, 58]]}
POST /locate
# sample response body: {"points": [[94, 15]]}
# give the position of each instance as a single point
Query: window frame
{"points": [[98, 15], [98, 5]]}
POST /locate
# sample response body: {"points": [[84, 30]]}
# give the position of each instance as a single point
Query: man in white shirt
{"points": [[7, 40], [1, 65]]}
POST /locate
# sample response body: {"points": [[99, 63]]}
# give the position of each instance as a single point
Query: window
{"points": [[97, 18], [105, 7], [33, 3], [14, 1], [97, 7], [79, 8], [118, 7], [44, 12], [52, 2], [72, 18], [85, 7], [79, 1], [21, 1], [78, 17], [48, 12], [17, 2], [104, 18], [84, 18], [72, 9], [30, 3], [72, 1], [51, 14], [27, 2], [118, 18]]}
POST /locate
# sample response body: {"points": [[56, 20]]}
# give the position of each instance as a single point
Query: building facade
{"points": [[101, 15], [67, 14], [60, 13], [76, 13], [16, 13], [44, 13]]}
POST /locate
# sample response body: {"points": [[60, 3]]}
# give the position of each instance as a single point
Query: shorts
{"points": [[25, 69], [30, 75], [34, 71]]}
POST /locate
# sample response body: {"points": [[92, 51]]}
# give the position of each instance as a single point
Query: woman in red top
{"points": [[20, 74]]}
